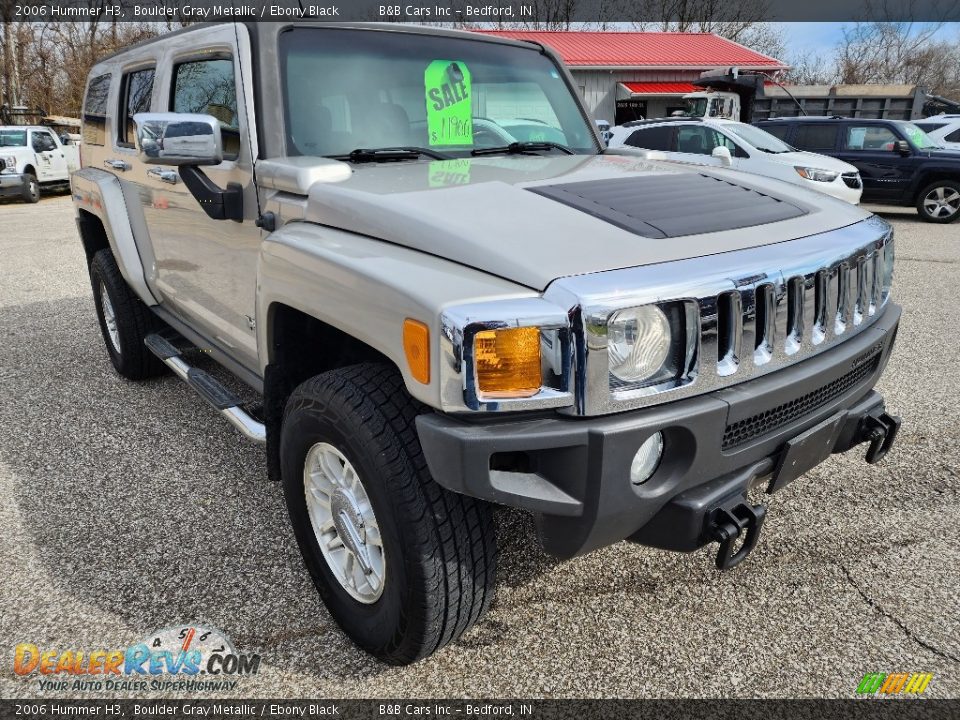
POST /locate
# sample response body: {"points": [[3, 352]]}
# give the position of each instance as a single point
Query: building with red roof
{"points": [[626, 75]]}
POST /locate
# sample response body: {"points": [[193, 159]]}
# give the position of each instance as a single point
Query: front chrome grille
{"points": [[773, 319], [852, 180]]}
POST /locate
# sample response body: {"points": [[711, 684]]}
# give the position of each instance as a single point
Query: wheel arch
{"points": [[928, 177], [98, 194]]}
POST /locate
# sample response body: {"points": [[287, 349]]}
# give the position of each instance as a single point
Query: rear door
{"points": [[872, 148]]}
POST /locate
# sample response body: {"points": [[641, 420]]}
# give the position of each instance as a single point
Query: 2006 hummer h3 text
{"points": [[411, 243]]}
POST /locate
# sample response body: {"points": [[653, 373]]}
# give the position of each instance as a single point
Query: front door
{"points": [[872, 149], [51, 160], [206, 269]]}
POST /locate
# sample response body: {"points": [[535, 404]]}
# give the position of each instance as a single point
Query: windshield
{"points": [[918, 138], [760, 139], [350, 89], [13, 138]]}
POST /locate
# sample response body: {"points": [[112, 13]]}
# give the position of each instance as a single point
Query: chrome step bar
{"points": [[207, 387]]}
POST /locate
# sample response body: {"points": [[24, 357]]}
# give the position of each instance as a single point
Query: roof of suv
{"points": [[810, 118], [258, 29]]}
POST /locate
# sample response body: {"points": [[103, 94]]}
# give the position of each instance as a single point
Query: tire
{"points": [[437, 553], [31, 188], [939, 202], [131, 320]]}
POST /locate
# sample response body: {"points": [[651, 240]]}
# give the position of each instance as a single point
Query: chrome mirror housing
{"points": [[178, 139]]}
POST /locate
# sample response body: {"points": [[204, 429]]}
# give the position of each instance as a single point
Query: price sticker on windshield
{"points": [[448, 95]]}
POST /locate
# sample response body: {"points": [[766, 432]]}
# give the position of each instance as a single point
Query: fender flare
{"points": [[100, 194]]}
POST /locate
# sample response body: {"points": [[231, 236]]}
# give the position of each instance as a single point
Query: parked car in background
{"points": [[727, 143], [31, 158], [943, 130], [899, 163]]}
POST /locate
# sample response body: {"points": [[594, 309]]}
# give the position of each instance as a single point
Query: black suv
{"points": [[899, 163]]}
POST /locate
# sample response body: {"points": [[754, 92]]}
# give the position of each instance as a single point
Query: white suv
{"points": [[942, 129], [727, 143]]}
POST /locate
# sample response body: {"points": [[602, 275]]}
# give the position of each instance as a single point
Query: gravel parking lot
{"points": [[127, 508]]}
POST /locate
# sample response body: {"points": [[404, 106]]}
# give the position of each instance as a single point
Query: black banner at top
{"points": [[530, 13]]}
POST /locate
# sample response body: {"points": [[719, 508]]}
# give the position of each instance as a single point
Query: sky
{"points": [[824, 36]]}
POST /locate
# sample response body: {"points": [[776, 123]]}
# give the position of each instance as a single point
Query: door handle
{"points": [[121, 165], [167, 176]]}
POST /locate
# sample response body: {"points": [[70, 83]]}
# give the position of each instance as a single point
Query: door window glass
{"points": [[655, 138], [700, 140], [870, 137], [208, 87], [95, 110], [816, 136], [137, 88], [954, 136], [43, 142]]}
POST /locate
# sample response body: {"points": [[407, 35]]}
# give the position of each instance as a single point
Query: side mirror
{"points": [[179, 139], [902, 147], [723, 154], [65, 139]]}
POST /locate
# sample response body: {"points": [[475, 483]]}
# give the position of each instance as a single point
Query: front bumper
{"points": [[573, 473], [11, 184]]}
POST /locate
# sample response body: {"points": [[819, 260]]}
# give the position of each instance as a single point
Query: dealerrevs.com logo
{"points": [[187, 658]]}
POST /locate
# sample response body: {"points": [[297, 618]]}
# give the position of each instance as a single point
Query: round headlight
{"points": [[638, 342]]}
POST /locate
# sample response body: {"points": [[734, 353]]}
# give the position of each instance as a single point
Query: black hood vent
{"points": [[668, 206]]}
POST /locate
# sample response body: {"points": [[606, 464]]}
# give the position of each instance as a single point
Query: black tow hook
{"points": [[729, 524], [880, 431]]}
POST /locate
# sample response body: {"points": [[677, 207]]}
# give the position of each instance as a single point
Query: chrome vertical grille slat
{"points": [[796, 310]]}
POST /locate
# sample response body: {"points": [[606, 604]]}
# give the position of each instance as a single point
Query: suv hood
{"points": [[532, 219]]}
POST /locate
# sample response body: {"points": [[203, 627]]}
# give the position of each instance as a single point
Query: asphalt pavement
{"points": [[125, 508]]}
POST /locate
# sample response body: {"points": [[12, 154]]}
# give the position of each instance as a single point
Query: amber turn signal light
{"points": [[416, 346], [508, 362]]}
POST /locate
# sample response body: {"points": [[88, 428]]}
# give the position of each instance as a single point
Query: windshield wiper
{"points": [[518, 148], [389, 154]]}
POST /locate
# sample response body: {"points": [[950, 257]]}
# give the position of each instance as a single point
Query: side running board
{"points": [[207, 387]]}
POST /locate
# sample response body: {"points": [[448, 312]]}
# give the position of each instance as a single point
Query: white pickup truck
{"points": [[31, 158]]}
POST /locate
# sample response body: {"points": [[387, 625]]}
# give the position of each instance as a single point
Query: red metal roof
{"points": [[644, 49], [660, 88]]}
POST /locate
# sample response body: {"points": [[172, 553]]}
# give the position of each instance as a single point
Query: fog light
{"points": [[647, 459]]}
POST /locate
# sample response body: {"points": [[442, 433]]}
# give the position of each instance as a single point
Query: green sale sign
{"points": [[448, 94]]}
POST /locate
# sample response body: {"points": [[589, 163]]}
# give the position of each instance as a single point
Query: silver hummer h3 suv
{"points": [[411, 243]]}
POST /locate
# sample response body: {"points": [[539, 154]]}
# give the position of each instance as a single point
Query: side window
{"points": [[719, 139], [954, 136], [930, 126], [778, 130], [655, 138], [42, 141], [136, 89], [208, 87], [816, 136], [95, 110], [696, 140], [870, 137]]}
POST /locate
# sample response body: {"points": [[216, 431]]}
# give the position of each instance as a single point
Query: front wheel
{"points": [[403, 565], [124, 320], [939, 202], [31, 188]]}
